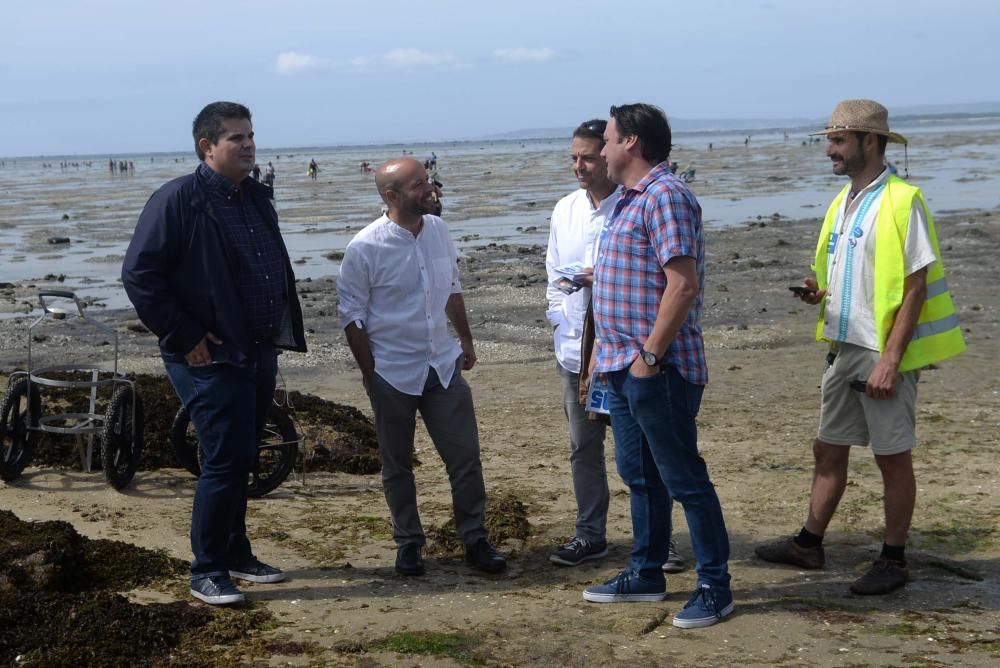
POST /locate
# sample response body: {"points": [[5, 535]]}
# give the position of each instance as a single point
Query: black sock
{"points": [[894, 552], [807, 539]]}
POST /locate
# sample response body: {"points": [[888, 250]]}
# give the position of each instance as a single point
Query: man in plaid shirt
{"points": [[648, 293]]}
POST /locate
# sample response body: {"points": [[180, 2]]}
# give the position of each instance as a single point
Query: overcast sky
{"points": [[129, 75]]}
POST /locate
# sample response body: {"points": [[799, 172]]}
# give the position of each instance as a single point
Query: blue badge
{"points": [[833, 243], [857, 232]]}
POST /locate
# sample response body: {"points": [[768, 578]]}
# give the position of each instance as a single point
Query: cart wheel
{"points": [[18, 412], [121, 444], [276, 452], [184, 440]]}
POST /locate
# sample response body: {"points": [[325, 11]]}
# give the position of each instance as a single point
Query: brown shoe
{"points": [[884, 576], [787, 551]]}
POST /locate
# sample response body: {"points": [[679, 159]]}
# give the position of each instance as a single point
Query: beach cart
{"points": [[118, 431]]}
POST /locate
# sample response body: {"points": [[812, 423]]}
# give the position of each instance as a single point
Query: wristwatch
{"points": [[648, 357]]}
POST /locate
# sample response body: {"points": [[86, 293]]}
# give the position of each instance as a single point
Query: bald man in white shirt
{"points": [[399, 287]]}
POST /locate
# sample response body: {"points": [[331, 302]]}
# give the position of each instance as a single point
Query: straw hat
{"points": [[861, 116]]}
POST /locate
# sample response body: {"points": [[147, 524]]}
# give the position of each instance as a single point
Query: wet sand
{"points": [[756, 425]]}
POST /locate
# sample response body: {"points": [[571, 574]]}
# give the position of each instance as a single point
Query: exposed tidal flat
{"points": [[344, 605]]}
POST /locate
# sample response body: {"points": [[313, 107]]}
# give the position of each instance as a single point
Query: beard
{"points": [[850, 166]]}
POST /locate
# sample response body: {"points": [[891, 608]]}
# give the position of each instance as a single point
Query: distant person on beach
{"points": [[687, 176], [648, 293], [255, 172], [269, 177], [576, 222], [399, 287], [313, 169], [437, 207], [886, 312], [208, 273]]}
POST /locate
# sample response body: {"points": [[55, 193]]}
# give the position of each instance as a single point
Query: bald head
{"points": [[392, 174], [404, 188]]}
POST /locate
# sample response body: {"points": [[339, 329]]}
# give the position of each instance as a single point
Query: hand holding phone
{"points": [[801, 290], [566, 285]]}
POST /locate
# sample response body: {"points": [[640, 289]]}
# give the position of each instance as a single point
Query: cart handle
{"points": [[63, 294]]}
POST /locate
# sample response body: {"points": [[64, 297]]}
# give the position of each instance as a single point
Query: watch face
{"points": [[649, 358]]}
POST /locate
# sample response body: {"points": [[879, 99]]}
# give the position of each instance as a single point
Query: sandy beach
{"points": [[344, 604]]}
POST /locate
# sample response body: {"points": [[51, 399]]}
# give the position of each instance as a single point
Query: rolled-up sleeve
{"points": [[353, 286]]}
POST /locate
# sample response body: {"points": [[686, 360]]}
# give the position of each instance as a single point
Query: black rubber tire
{"points": [[276, 452], [121, 445], [18, 411], [184, 441]]}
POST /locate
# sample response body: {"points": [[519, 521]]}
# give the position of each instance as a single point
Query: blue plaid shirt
{"points": [[657, 220], [260, 267]]}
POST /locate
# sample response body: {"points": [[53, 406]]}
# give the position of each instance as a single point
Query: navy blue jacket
{"points": [[180, 274]]}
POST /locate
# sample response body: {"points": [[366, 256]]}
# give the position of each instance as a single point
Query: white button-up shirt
{"points": [[397, 286], [574, 232]]}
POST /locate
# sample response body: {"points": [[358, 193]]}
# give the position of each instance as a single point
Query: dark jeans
{"points": [[656, 450], [228, 408]]}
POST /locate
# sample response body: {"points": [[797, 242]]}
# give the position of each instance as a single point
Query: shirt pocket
{"points": [[443, 269]]}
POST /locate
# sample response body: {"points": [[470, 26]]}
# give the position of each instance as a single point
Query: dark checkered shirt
{"points": [[256, 249]]}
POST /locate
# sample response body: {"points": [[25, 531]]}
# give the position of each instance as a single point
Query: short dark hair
{"points": [[649, 124], [208, 123], [592, 129], [883, 141]]}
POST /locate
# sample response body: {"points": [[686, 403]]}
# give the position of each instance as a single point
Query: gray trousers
{"points": [[586, 460], [450, 419]]}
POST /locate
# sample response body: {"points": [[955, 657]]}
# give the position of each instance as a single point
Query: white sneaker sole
{"points": [[228, 599], [704, 621], [259, 579], [556, 559], [595, 597]]}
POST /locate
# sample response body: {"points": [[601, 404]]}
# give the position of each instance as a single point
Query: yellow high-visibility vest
{"points": [[938, 335]]}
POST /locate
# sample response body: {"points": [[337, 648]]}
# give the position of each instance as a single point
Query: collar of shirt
{"points": [[659, 171], [217, 183], [850, 204]]}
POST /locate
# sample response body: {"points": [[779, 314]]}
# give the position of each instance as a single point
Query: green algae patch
{"points": [[457, 646]]}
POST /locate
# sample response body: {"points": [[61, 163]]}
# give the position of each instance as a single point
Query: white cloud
{"points": [[522, 55], [404, 58], [290, 62]]}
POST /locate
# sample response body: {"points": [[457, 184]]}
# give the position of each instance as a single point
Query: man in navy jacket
{"points": [[208, 273]]}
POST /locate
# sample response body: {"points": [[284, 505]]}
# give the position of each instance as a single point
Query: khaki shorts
{"points": [[850, 417]]}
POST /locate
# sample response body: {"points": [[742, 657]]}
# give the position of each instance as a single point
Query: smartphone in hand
{"points": [[801, 290], [566, 285]]}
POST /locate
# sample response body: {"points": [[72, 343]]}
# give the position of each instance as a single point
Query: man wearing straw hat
{"points": [[886, 311]]}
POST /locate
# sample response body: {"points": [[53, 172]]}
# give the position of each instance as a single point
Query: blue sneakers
{"points": [[626, 587], [216, 590], [709, 605], [259, 572]]}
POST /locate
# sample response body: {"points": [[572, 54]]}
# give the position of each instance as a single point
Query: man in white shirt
{"points": [[875, 302], [399, 286], [575, 229]]}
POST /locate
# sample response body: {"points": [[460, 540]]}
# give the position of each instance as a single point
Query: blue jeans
{"points": [[656, 451], [228, 408]]}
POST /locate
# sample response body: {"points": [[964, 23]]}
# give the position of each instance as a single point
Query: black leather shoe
{"points": [[408, 560], [482, 556]]}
